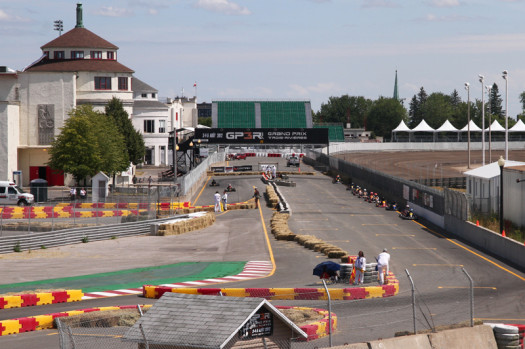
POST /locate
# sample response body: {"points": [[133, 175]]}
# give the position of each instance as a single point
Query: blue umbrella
{"points": [[326, 267]]}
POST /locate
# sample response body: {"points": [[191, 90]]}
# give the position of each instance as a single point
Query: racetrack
{"points": [[333, 214]]}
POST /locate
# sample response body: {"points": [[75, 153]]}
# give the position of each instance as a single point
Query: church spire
{"points": [[396, 94]]}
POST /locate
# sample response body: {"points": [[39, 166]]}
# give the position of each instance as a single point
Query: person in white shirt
{"points": [[383, 261], [217, 202], [225, 200], [360, 267]]}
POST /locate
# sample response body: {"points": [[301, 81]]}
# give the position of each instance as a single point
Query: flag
{"points": [[195, 84]]}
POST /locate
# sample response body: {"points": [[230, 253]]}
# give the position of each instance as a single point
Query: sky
{"points": [[291, 49]]}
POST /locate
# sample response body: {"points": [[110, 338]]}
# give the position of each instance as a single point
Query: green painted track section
{"points": [[134, 278]]}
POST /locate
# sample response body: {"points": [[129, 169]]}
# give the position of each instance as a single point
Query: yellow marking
{"points": [[395, 235], [489, 287], [474, 253], [437, 265], [414, 248], [198, 196], [267, 242]]}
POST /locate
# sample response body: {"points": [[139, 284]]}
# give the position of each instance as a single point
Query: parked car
{"points": [[240, 157], [10, 193], [293, 161]]}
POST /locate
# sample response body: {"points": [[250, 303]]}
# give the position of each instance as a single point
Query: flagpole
{"points": [[195, 87]]}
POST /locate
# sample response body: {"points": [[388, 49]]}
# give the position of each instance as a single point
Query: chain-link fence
{"points": [[125, 204], [443, 302]]}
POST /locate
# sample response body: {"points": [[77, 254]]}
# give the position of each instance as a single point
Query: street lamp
{"points": [[506, 77], [481, 78], [489, 89], [501, 164], [467, 87]]}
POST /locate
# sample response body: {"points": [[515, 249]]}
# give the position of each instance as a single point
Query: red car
{"points": [[240, 157]]}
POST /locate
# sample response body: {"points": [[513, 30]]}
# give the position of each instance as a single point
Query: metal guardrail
{"points": [[63, 237]]}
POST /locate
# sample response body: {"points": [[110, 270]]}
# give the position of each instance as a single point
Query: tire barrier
{"points": [[27, 300], [508, 336], [187, 225], [351, 293], [317, 329], [42, 322]]}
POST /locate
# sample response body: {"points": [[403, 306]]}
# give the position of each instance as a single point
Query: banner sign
{"points": [[262, 135], [259, 325], [217, 169], [242, 168], [232, 169]]}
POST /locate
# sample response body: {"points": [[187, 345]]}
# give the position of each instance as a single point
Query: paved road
{"points": [[332, 213]]}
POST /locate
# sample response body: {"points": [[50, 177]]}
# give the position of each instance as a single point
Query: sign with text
{"points": [[259, 325], [262, 135]]}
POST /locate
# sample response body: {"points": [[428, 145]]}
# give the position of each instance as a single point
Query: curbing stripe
{"points": [[26, 300]]}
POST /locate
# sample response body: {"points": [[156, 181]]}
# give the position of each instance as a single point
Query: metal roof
{"points": [[491, 170]]}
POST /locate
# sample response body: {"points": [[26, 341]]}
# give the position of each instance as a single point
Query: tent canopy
{"points": [[447, 127], [423, 127]]}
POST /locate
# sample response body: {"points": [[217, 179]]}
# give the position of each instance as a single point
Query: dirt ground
{"points": [[431, 164]]}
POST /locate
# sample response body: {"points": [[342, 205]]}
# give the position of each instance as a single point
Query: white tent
{"points": [[473, 127], [519, 127], [402, 127], [495, 127], [447, 127], [423, 127]]}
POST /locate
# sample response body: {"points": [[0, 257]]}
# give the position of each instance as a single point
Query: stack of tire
{"points": [[371, 274], [508, 336], [346, 271]]}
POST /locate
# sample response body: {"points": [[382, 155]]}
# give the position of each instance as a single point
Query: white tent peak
{"points": [[473, 127], [423, 127], [447, 127], [519, 127], [495, 127], [402, 127]]}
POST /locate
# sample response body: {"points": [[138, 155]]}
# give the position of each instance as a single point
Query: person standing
{"points": [[217, 202], [256, 196], [360, 267], [225, 201], [383, 261], [73, 193], [83, 194], [274, 172]]}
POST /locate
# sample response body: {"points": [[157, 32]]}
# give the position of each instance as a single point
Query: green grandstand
{"points": [[335, 131], [261, 114]]}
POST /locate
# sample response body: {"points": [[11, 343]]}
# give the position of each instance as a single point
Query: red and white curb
{"points": [[252, 270]]}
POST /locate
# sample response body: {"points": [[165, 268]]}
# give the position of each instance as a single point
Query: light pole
{"points": [[489, 89], [481, 77], [467, 87], [506, 77], [501, 164]]}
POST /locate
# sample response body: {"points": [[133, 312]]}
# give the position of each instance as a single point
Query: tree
{"points": [[384, 116], [135, 147], [437, 109], [455, 99], [338, 109], [88, 143], [495, 101], [416, 104]]}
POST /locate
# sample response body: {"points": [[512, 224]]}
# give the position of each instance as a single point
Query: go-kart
{"points": [[408, 215], [214, 184], [381, 203], [230, 188], [391, 206]]}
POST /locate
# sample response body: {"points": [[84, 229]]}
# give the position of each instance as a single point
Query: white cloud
{"points": [[444, 3], [433, 18], [5, 17], [110, 11], [223, 6]]}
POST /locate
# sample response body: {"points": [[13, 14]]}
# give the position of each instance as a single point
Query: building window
{"points": [[162, 126], [77, 54], [149, 126], [59, 55], [102, 83], [153, 95], [46, 53], [96, 54], [111, 55], [123, 83], [144, 95]]}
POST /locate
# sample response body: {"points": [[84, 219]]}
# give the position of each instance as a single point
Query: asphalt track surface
{"points": [[328, 211]]}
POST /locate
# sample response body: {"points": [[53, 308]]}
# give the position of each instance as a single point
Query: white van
{"points": [[11, 194]]}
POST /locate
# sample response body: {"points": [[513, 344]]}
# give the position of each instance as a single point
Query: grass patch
{"points": [[491, 222]]}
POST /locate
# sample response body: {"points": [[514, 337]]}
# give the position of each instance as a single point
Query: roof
{"points": [[140, 86], [145, 103], [423, 127], [199, 321], [519, 127], [491, 170], [447, 127], [79, 37], [473, 127], [402, 127], [76, 65], [495, 127]]}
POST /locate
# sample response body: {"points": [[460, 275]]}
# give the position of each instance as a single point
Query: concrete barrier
{"points": [[467, 337], [419, 341]]}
